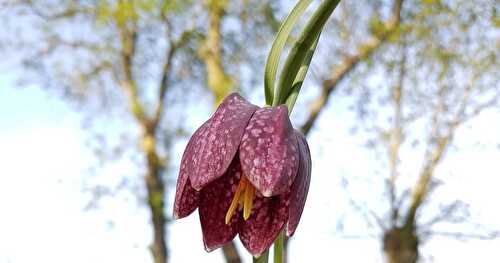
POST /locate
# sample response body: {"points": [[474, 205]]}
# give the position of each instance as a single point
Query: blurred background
{"points": [[99, 97]]}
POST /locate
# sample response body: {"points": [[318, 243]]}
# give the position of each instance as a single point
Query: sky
{"points": [[44, 163]]}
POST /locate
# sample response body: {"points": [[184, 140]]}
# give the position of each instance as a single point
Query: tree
{"points": [[427, 65], [98, 54]]}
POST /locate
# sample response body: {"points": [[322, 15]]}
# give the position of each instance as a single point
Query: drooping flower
{"points": [[248, 172]]}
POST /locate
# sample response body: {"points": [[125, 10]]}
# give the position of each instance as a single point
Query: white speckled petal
{"points": [[214, 148], [215, 199], [268, 217], [268, 151], [300, 187]]}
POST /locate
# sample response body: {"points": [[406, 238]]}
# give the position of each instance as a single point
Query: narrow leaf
{"points": [[301, 75], [277, 47], [301, 48]]}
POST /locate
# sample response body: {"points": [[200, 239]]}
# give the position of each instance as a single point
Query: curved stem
{"points": [[263, 258]]}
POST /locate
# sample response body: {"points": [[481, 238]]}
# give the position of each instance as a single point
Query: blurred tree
{"points": [[99, 53], [418, 70]]}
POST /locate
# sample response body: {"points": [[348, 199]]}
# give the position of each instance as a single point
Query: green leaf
{"points": [[301, 75], [296, 59], [277, 48]]}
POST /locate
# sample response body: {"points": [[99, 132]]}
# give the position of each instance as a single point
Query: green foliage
{"points": [[122, 12], [431, 2], [495, 18], [377, 26], [175, 6], [216, 5]]}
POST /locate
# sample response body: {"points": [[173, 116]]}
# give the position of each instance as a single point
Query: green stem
{"points": [[263, 258], [278, 247]]}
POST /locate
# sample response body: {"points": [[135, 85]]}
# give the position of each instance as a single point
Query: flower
{"points": [[248, 172]]}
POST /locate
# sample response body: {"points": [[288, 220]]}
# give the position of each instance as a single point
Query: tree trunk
{"points": [[401, 245], [156, 194]]}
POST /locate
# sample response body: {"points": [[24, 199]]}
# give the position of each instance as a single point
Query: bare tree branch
{"points": [[438, 144], [365, 50], [128, 39], [166, 71], [367, 214], [446, 213], [463, 236], [71, 10], [395, 140]]}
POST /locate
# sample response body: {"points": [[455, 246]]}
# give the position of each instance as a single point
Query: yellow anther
{"points": [[247, 207], [243, 199], [236, 200]]}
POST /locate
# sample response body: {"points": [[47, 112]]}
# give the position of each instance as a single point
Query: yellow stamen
{"points": [[243, 199], [241, 202], [247, 208], [236, 200]]}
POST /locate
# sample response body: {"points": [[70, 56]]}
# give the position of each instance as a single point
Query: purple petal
{"points": [[215, 147], [215, 199], [268, 217], [186, 198], [300, 188], [268, 151]]}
